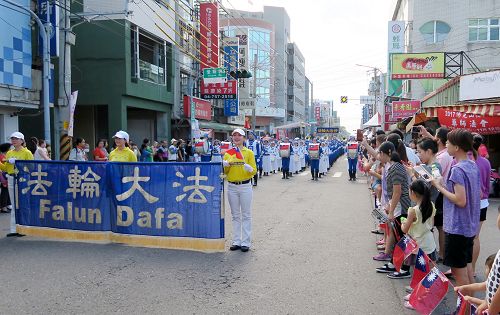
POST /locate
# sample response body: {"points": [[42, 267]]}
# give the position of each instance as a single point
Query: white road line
{"points": [[337, 174]]}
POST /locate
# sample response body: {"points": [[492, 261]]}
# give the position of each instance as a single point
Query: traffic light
{"points": [[343, 99], [240, 74]]}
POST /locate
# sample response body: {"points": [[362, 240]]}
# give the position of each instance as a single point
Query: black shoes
{"points": [[236, 247], [15, 235]]}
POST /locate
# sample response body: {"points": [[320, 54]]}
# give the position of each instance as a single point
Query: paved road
{"points": [[311, 255]]}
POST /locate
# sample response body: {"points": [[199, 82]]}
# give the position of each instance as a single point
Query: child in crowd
{"points": [[420, 221]]}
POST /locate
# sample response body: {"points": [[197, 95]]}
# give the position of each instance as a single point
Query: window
{"points": [[148, 56], [484, 29], [435, 31]]}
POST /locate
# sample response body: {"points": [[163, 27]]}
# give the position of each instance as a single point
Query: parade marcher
{"points": [[274, 154], [352, 157], [172, 151], [239, 167], [216, 153], [19, 152], [323, 159], [314, 155], [295, 157], [253, 144], [266, 158], [302, 155], [122, 152], [284, 152], [78, 152]]}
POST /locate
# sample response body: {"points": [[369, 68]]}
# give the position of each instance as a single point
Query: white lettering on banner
{"points": [[86, 184], [40, 188], [135, 179], [196, 196]]}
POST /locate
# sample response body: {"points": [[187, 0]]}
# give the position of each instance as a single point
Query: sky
{"points": [[334, 36]]}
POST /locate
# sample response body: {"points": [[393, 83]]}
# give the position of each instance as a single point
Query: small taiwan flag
{"points": [[462, 305], [429, 292], [235, 152], [473, 310], [422, 268], [404, 248]]}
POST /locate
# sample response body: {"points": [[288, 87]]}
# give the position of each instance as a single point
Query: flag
{"points": [[429, 292], [422, 268], [473, 310], [462, 305], [404, 248], [235, 152]]}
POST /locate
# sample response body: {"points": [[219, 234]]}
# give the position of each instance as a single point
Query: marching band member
{"points": [[266, 158], [285, 148], [254, 145], [352, 157], [278, 156], [295, 157], [302, 154], [323, 161], [274, 154], [216, 153], [314, 155], [239, 167]]}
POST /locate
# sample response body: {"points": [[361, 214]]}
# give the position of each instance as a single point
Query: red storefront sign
{"points": [[485, 125], [203, 108], [209, 31], [404, 109]]}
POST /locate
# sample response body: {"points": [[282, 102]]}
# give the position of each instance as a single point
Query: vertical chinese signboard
{"points": [[231, 106], [395, 44], [317, 113]]}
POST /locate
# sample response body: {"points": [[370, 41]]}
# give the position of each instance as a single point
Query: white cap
{"points": [[173, 140], [238, 130], [17, 135], [122, 134]]}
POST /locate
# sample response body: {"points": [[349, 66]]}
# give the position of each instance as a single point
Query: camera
{"points": [[415, 129]]}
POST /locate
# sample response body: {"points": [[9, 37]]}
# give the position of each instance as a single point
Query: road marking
{"points": [[337, 174]]}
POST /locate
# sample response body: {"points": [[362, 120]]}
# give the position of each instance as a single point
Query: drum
{"points": [[201, 146], [285, 150], [314, 151]]}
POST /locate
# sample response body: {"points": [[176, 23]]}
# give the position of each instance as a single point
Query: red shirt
{"points": [[98, 153]]}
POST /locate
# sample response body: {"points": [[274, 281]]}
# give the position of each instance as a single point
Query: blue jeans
{"points": [[352, 165]]}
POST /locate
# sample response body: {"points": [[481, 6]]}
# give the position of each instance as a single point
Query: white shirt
{"points": [[77, 154]]}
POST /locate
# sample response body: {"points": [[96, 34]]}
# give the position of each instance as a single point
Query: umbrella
{"points": [[417, 119]]}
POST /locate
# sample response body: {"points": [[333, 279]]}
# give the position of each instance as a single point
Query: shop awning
{"points": [[375, 121], [293, 125], [217, 126], [484, 109]]}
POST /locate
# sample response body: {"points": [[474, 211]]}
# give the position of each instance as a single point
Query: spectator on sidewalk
{"points": [[78, 152], [5, 204], [461, 207], [122, 152], [146, 151], [100, 153]]}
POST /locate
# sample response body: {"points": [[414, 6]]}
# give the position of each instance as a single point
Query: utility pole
{"points": [[254, 116]]}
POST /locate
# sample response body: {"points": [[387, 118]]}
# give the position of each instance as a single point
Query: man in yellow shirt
{"points": [[19, 152], [122, 153], [239, 166]]}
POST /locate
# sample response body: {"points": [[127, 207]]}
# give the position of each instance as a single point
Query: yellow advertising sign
{"points": [[417, 66]]}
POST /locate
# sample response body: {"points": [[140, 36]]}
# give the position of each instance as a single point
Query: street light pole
{"points": [[45, 31]]}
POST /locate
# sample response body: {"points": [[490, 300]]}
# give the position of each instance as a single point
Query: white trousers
{"points": [[240, 201], [10, 180]]}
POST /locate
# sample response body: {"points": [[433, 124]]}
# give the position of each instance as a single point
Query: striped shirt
{"points": [[397, 175]]}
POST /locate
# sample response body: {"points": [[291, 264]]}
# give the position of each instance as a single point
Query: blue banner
{"points": [[53, 7], [179, 200], [327, 130], [231, 107]]}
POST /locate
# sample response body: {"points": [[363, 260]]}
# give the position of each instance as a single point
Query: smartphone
{"points": [[415, 132], [359, 135]]}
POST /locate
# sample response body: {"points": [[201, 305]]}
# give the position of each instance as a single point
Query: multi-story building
{"points": [[295, 84], [309, 115], [20, 74], [124, 70], [450, 26], [255, 94]]}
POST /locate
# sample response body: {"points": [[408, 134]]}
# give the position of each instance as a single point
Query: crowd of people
{"points": [[438, 184]]}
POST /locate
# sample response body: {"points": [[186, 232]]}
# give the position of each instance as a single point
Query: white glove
{"points": [[248, 168], [12, 160], [225, 163]]}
